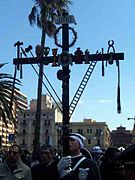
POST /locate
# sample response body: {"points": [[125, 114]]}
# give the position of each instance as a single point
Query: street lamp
{"points": [[132, 119]]}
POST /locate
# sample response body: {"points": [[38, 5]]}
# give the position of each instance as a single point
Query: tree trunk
{"points": [[36, 142]]}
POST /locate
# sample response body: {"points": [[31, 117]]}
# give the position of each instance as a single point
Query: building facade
{"points": [[48, 131], [121, 137], [8, 133], [96, 133]]}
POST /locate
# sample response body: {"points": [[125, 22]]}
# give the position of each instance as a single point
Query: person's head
{"points": [[13, 155], [46, 153], [75, 143], [112, 152]]}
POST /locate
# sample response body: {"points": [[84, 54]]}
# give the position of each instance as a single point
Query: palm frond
{"points": [[6, 86], [50, 29], [39, 22], [32, 15], [2, 64]]}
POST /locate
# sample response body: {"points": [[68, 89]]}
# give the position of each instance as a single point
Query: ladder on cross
{"points": [[81, 87]]}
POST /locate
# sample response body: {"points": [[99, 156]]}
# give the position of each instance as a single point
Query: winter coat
{"points": [[22, 172]]}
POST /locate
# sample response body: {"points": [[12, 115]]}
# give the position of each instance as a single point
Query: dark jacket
{"points": [[45, 172]]}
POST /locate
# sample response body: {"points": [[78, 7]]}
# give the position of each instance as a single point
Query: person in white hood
{"points": [[76, 166]]}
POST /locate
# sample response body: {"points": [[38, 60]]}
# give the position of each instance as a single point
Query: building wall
{"points": [[26, 124], [8, 133], [121, 137], [96, 133]]}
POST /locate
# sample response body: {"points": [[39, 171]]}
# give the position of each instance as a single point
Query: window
{"points": [[46, 131], [24, 132], [24, 122], [23, 142], [98, 130], [47, 122], [80, 131], [98, 142], [89, 141], [89, 131], [34, 122], [47, 140], [24, 115]]}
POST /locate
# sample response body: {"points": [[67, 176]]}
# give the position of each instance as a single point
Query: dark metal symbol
{"points": [[111, 46], [60, 75], [18, 44], [70, 44], [39, 51], [87, 56], [46, 51], [78, 53], [65, 59], [28, 49], [103, 67], [63, 75], [54, 52]]}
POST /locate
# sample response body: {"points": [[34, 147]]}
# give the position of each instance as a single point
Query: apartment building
{"points": [[96, 133], [26, 123], [122, 137], [8, 133]]}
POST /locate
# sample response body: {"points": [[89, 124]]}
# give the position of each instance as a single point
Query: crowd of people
{"points": [[80, 164]]}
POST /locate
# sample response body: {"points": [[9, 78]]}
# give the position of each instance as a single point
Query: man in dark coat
{"points": [[109, 166], [47, 168]]}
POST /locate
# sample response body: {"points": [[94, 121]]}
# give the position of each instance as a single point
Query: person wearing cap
{"points": [[13, 168], [76, 166]]}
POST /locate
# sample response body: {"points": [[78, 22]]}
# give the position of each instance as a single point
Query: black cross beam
{"points": [[49, 59]]}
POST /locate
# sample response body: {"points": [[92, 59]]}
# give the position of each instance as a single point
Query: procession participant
{"points": [[47, 168], [76, 166], [13, 167]]}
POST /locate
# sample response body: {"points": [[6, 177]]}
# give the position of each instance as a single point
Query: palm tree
{"points": [[6, 85], [42, 14]]}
